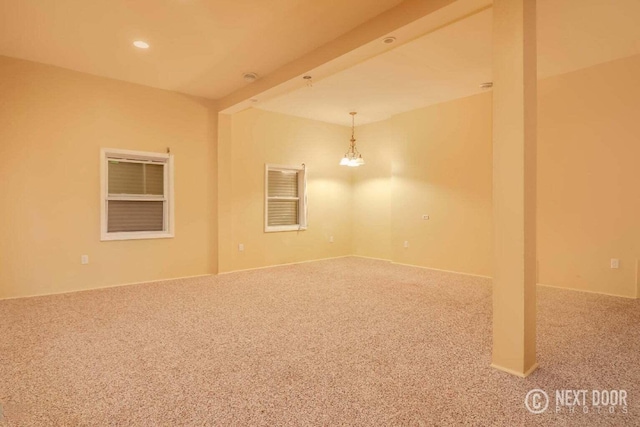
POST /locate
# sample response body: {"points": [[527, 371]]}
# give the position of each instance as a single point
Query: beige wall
{"points": [[249, 139], [437, 162], [442, 169], [589, 177], [53, 123], [372, 191]]}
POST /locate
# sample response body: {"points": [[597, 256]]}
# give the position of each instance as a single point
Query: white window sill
{"points": [[274, 229], [135, 235]]}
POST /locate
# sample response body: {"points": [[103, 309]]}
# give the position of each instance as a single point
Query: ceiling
{"points": [[203, 47], [447, 64], [452, 61], [198, 47]]}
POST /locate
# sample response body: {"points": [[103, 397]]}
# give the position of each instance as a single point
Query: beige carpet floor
{"points": [[339, 342]]}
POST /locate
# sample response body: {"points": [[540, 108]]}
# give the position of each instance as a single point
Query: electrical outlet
{"points": [[406, 244], [615, 263], [425, 217], [241, 247], [84, 259], [330, 239]]}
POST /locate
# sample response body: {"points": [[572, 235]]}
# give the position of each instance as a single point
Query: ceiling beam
{"points": [[397, 17]]}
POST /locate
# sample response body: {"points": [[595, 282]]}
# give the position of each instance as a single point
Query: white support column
{"points": [[514, 186]]}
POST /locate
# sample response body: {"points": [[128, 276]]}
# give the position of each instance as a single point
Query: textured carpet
{"points": [[340, 342]]}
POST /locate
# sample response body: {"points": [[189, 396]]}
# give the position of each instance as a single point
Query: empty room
{"points": [[299, 213]]}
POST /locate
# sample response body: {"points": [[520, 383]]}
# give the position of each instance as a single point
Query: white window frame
{"points": [[302, 198], [166, 159]]}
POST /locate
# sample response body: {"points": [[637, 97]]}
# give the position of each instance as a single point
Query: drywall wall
{"points": [[588, 177], [53, 123], [434, 161], [246, 142], [372, 191], [437, 162], [443, 169]]}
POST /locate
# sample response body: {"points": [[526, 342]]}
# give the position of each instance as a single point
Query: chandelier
{"points": [[352, 157]]}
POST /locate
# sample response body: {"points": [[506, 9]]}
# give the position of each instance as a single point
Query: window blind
{"points": [[283, 200], [283, 212], [135, 199], [135, 215], [137, 195], [135, 178], [283, 183]]}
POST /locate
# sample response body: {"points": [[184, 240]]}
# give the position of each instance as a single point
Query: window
{"points": [[136, 195], [285, 201]]}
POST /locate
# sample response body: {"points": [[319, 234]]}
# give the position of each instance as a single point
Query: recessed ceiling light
{"points": [[250, 77], [388, 40], [141, 44], [486, 85]]}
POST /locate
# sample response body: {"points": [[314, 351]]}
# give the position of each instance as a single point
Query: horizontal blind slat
{"points": [[135, 216], [125, 178], [282, 184], [154, 179], [135, 178], [282, 212]]}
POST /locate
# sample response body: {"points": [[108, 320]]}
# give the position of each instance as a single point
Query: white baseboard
{"points": [[222, 273], [538, 284], [516, 373], [106, 287], [444, 271], [638, 278], [326, 259], [434, 269], [587, 291], [373, 258], [421, 266]]}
